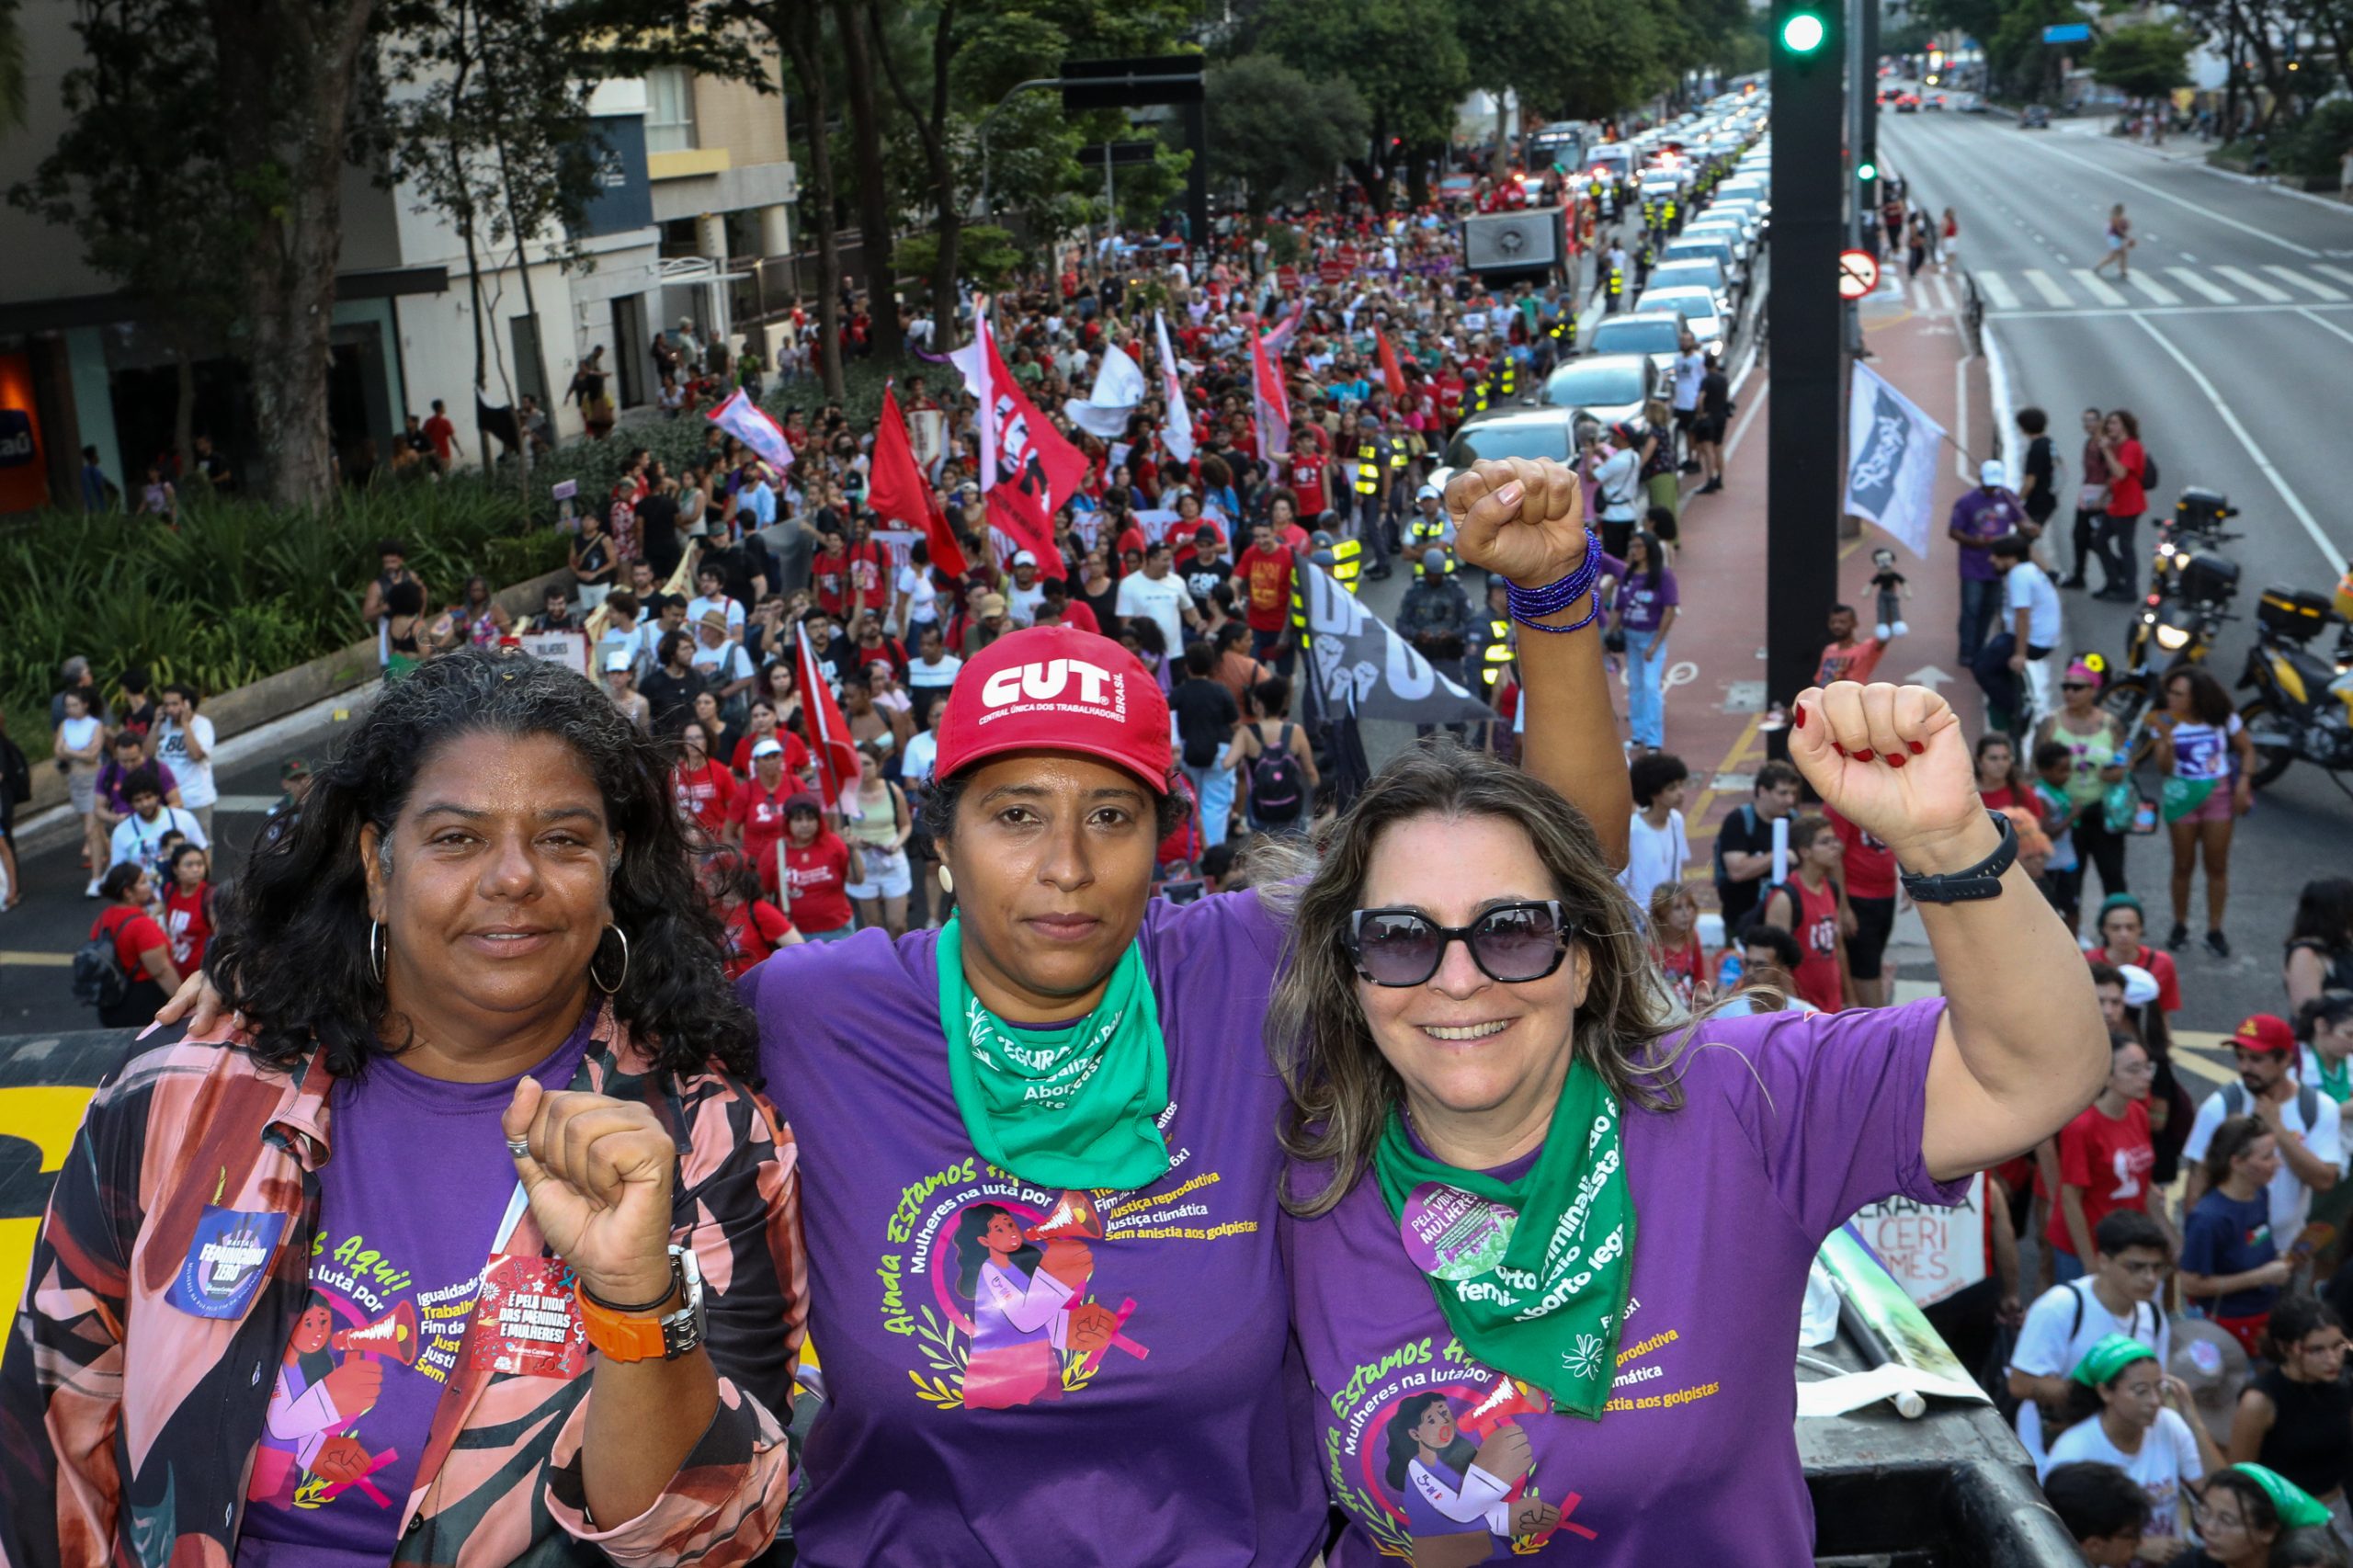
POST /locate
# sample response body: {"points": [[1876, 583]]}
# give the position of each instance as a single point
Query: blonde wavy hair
{"points": [[1342, 1089]]}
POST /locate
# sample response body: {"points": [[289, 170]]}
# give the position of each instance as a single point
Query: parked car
{"points": [[1698, 307], [2034, 117], [1607, 387], [1655, 333]]}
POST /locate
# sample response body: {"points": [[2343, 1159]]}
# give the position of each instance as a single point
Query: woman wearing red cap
{"points": [[1044, 1260]]}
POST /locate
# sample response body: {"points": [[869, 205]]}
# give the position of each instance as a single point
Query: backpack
{"points": [[2307, 1101], [1277, 786], [2148, 470], [2007, 1402], [99, 978]]}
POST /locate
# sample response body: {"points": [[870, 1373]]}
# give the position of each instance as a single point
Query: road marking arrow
{"points": [[1928, 676]]}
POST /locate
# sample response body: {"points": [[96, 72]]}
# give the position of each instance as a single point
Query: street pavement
{"points": [[2233, 342]]}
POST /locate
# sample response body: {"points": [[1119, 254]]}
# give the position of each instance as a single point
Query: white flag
{"points": [[1119, 388], [1892, 461], [974, 360], [748, 423], [1176, 429]]}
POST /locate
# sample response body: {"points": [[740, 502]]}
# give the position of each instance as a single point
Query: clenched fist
{"points": [[1523, 518], [598, 1176]]}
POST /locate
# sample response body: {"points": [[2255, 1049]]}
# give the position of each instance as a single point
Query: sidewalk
{"points": [[1717, 679]]}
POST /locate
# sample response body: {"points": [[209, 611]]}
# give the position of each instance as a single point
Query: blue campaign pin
{"points": [[225, 1262]]}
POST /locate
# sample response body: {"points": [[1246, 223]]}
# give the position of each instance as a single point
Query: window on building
{"points": [[669, 110]]}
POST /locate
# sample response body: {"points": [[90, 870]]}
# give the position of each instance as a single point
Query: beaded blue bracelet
{"points": [[1528, 606]]}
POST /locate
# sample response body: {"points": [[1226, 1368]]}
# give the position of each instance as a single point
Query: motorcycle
{"points": [[2303, 706], [2176, 625], [2196, 525]]}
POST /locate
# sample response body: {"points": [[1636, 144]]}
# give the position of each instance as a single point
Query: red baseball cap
{"points": [[1056, 689], [2263, 1031]]}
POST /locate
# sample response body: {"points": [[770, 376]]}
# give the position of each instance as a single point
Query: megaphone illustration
{"points": [[1074, 1215], [394, 1335]]}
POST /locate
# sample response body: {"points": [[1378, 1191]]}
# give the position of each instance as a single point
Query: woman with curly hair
{"points": [[486, 1158]]}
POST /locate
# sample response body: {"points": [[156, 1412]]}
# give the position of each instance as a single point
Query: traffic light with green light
{"points": [[1803, 32], [1868, 172]]}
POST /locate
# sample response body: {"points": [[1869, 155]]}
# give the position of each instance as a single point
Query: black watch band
{"points": [[1981, 880]]}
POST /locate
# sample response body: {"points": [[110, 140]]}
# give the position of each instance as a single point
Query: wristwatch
{"points": [[634, 1333], [1981, 880]]}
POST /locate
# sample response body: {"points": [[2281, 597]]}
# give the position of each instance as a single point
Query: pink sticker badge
{"points": [[1453, 1235], [527, 1320]]}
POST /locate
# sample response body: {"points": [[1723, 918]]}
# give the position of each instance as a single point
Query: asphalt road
{"points": [[2240, 386]]}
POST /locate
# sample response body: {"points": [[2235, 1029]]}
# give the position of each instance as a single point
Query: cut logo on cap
{"points": [[1055, 686]]}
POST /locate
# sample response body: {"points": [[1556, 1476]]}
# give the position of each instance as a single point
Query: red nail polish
{"points": [[1800, 716], [1837, 748], [1863, 753], [1917, 747], [1895, 759]]}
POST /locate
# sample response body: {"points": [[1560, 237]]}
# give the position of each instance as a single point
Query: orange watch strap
{"points": [[623, 1336]]}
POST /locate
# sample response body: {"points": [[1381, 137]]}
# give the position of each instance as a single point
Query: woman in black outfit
{"points": [[2320, 942], [2296, 1417]]}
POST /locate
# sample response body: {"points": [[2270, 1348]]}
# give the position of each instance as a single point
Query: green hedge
{"points": [[242, 589]]}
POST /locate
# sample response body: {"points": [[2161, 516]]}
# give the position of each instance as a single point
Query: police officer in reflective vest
{"points": [[1643, 260], [1613, 274], [1368, 482], [1672, 214], [1400, 458], [1429, 529]]}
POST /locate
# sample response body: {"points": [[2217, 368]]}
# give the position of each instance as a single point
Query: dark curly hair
{"points": [[293, 949]]}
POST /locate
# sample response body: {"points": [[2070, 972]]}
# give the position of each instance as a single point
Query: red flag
{"points": [[897, 490], [1036, 471], [835, 752], [1391, 375], [1270, 401]]}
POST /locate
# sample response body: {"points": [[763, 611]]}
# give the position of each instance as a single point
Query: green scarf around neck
{"points": [[1068, 1108], [1532, 1275]]}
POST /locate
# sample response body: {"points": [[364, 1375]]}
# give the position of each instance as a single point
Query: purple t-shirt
{"points": [[1640, 604], [1789, 1124], [416, 1182], [1988, 516], [957, 1426]]}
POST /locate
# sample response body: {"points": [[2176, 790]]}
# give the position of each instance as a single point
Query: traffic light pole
{"points": [[1803, 488]]}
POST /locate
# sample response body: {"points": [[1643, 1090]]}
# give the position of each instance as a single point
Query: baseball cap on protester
{"points": [[766, 748], [617, 659], [1056, 689], [1991, 471], [2263, 1031]]}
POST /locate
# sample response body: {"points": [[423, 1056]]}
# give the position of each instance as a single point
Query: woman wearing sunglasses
{"points": [[1044, 1266], [1526, 1185]]}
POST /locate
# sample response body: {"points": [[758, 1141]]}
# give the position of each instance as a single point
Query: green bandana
{"points": [[1068, 1108], [2336, 1077], [2102, 1363], [2182, 796], [2297, 1508], [1532, 1275]]}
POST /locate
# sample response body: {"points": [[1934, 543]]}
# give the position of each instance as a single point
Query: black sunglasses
{"points": [[2075, 685], [1512, 943]]}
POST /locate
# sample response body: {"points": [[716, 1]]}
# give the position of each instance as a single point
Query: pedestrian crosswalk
{"points": [[2083, 289]]}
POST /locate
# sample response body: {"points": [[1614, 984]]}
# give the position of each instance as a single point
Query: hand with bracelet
{"points": [[2021, 1047]]}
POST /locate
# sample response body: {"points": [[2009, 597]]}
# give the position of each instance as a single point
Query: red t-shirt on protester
{"points": [[796, 755], [1268, 575], [1131, 538], [816, 874], [1849, 661], [1307, 484], [829, 580], [2110, 1159], [704, 793], [868, 568], [2005, 797], [134, 932], [188, 923], [1080, 617], [2161, 969], [754, 930], [761, 813], [1868, 864], [1450, 397], [442, 433], [1815, 923], [2126, 499]]}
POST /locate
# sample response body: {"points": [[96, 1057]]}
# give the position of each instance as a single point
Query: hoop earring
{"points": [[376, 950], [947, 882], [596, 980]]}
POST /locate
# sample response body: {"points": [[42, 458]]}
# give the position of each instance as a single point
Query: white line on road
{"points": [[2337, 272], [2326, 325], [2038, 313], [2158, 294], [2199, 283], [2098, 289], [2252, 284], [2045, 286], [2329, 552], [2164, 195], [2319, 290], [1998, 293]]}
